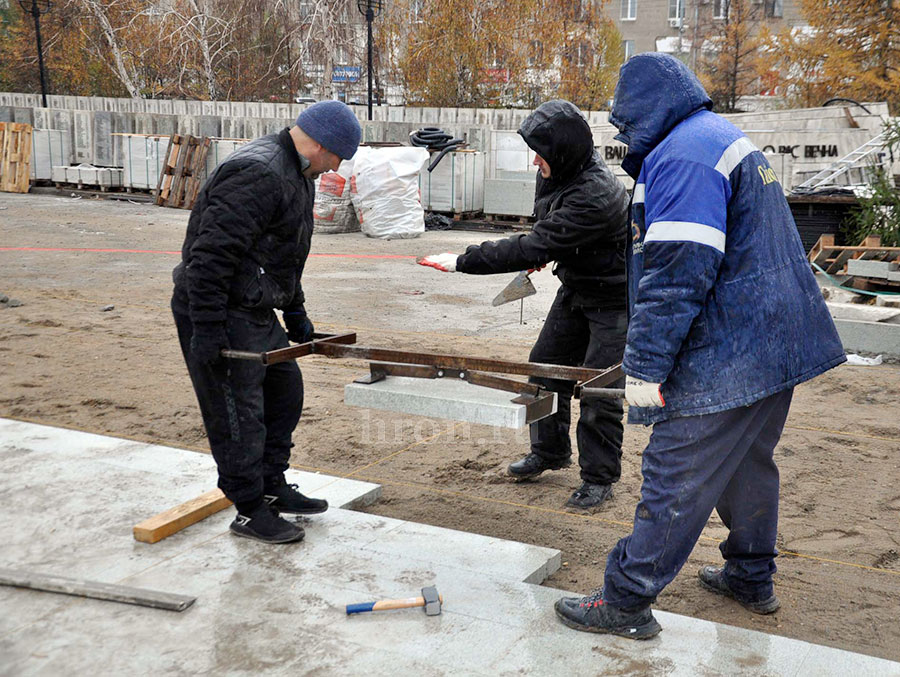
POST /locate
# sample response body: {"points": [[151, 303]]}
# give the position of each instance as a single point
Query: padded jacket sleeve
{"points": [[589, 211], [686, 214], [243, 199]]}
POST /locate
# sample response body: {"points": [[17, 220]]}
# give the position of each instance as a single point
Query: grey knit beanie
{"points": [[332, 124]]}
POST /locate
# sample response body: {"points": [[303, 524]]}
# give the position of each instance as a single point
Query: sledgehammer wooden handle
{"points": [[386, 604]]}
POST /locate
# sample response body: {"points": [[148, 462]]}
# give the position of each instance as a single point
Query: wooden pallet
{"points": [[833, 259], [181, 175], [15, 157]]}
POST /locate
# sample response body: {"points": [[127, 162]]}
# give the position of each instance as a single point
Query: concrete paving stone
{"points": [[30, 605], [443, 398], [265, 609], [877, 338], [494, 557], [868, 268]]}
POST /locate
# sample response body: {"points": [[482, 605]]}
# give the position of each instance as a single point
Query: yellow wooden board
{"points": [[15, 157], [175, 519]]}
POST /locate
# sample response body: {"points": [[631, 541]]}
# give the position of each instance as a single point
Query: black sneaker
{"points": [[590, 495], [592, 614], [285, 498], [264, 524], [533, 465], [713, 578]]}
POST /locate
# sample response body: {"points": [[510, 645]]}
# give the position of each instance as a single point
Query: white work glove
{"points": [[443, 262], [643, 393]]}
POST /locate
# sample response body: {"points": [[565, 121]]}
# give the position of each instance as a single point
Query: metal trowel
{"points": [[519, 288]]}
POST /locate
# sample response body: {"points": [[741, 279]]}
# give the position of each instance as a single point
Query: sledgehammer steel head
{"points": [[432, 601]]}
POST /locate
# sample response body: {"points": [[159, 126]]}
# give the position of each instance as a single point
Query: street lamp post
{"points": [[36, 8], [370, 9]]}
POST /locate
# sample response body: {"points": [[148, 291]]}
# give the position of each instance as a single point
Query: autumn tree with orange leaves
{"points": [[851, 49], [490, 53]]}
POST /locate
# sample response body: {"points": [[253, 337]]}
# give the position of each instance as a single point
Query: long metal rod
{"points": [[439, 360], [370, 16], [95, 590], [35, 12]]}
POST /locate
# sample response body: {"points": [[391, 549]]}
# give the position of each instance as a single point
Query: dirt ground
{"points": [[66, 361]]}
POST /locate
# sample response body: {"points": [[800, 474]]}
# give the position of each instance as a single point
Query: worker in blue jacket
{"points": [[725, 318]]}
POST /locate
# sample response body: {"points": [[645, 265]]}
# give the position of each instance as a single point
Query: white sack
{"points": [[385, 191]]}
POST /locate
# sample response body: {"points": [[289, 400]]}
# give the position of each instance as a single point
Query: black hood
{"points": [[558, 132]]}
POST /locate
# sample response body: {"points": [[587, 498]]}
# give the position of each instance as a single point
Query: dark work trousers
{"points": [[575, 335], [249, 410], [690, 466]]}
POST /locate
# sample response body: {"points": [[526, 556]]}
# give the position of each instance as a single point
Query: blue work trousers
{"points": [[690, 466]]}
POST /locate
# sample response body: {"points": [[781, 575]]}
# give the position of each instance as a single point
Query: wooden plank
{"points": [[175, 519], [160, 198], [94, 590], [177, 192], [821, 249], [836, 265], [197, 168], [15, 157]]}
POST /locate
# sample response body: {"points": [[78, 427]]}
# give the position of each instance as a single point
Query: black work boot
{"points": [[592, 614], [284, 497], [713, 578], [533, 465], [590, 495], [264, 524]]}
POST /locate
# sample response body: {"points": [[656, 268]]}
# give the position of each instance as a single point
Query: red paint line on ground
{"points": [[159, 251]]}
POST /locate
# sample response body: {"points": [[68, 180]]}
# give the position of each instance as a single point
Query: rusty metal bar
{"points": [[499, 383], [293, 352], [610, 393], [451, 361], [427, 365], [536, 408], [603, 379]]}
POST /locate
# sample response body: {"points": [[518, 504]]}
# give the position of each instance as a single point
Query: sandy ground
{"points": [[66, 361]]}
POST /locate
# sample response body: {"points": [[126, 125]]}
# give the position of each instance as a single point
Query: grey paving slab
{"points": [[279, 610], [440, 398], [868, 268]]}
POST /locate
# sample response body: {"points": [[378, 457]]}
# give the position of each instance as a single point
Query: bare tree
{"points": [[114, 22]]}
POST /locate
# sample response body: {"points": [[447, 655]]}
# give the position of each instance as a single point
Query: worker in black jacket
{"points": [[247, 240], [580, 209]]}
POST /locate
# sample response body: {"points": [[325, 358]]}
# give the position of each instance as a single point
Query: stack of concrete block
{"points": [[510, 194], [49, 148], [509, 153], [87, 175], [219, 150], [456, 185], [883, 270], [144, 159]]}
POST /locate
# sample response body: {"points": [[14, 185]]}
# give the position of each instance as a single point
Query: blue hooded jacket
{"points": [[724, 309]]}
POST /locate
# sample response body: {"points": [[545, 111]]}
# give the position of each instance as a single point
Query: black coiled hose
{"points": [[435, 138]]}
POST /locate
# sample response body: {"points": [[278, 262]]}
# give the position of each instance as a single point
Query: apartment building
{"points": [[674, 26]]}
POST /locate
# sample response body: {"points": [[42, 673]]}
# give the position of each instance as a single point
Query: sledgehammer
{"points": [[430, 599]]}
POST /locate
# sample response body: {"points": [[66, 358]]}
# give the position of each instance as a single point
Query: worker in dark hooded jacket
{"points": [[580, 210], [725, 319], [247, 240]]}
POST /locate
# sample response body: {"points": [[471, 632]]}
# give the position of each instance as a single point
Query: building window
{"points": [[676, 9], [417, 11], [720, 9], [774, 8], [535, 53], [629, 48], [629, 10], [583, 55]]}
